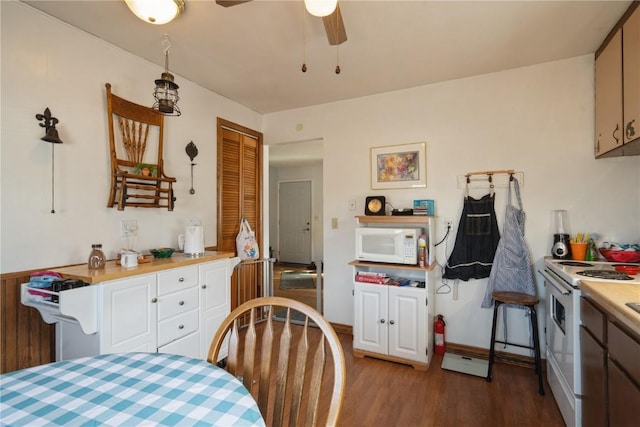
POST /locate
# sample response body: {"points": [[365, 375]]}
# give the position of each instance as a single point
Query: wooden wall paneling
{"points": [[25, 339]]}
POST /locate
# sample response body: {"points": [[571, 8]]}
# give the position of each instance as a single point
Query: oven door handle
{"points": [[556, 283]]}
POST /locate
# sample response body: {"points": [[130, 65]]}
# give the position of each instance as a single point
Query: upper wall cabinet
{"points": [[617, 85]]}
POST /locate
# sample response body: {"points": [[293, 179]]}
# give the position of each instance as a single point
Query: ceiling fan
{"points": [[333, 24]]}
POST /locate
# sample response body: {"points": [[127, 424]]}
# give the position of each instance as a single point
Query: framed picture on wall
{"points": [[399, 166]]}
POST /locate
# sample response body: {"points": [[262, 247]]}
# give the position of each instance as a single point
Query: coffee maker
{"points": [[561, 248]]}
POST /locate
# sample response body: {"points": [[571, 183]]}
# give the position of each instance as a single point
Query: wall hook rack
{"points": [[496, 178]]}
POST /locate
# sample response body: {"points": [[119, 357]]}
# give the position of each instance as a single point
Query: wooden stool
{"points": [[530, 302]]}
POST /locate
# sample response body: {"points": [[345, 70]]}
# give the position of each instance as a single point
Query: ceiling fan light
{"points": [[156, 12], [320, 7]]}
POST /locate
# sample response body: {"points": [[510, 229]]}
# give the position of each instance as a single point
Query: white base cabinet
{"points": [[174, 311], [391, 321], [127, 319], [215, 303]]}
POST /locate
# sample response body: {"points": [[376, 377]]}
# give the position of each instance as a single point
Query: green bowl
{"points": [[162, 252]]}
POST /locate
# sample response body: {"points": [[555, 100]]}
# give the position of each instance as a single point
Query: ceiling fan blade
{"points": [[231, 2], [334, 27]]}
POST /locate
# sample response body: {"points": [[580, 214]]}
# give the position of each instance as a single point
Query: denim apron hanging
{"points": [[512, 269], [476, 241]]}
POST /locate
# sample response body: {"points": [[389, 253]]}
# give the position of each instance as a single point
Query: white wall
{"points": [[46, 63], [537, 120], [302, 172]]}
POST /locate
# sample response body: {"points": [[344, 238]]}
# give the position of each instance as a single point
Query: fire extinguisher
{"points": [[438, 329]]}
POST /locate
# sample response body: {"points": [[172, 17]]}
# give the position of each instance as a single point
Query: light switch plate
{"points": [[128, 228]]}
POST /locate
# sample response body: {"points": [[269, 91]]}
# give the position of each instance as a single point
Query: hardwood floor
{"points": [[380, 393], [307, 296]]}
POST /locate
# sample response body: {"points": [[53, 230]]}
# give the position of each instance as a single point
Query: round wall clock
{"points": [[374, 205]]}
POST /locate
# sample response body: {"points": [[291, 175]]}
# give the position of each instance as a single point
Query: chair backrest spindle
{"points": [[292, 395]]}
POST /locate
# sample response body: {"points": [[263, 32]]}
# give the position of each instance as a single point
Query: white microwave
{"points": [[390, 245]]}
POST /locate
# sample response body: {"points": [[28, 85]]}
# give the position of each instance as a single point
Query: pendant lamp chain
{"points": [[337, 46], [304, 41]]}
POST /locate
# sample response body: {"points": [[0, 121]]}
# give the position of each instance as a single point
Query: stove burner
{"points": [[605, 274], [575, 264]]}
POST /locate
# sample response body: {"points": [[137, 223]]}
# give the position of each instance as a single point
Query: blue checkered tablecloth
{"points": [[129, 389]]}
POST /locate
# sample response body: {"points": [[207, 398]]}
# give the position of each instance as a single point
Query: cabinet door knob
{"points": [[392, 322], [181, 327], [381, 320], [614, 134], [181, 279], [154, 300], [181, 303], [204, 286]]}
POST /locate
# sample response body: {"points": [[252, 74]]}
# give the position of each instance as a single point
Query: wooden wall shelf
{"points": [[396, 219]]}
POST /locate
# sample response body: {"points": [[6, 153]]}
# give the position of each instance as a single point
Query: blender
{"points": [[561, 248]]}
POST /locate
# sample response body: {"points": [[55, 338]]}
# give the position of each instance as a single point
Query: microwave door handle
{"points": [[556, 283]]}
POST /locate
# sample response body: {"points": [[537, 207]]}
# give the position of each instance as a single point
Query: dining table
{"points": [[126, 389]]}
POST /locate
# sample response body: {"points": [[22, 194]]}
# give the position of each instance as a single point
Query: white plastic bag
{"points": [[246, 243]]}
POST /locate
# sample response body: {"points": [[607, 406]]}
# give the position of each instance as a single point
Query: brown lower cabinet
{"points": [[623, 369], [594, 380], [610, 355]]}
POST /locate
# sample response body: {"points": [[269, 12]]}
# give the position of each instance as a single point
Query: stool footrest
{"points": [[515, 345], [514, 359]]}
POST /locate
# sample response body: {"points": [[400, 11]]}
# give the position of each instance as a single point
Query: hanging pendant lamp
{"points": [[156, 12], [320, 7], [166, 91]]}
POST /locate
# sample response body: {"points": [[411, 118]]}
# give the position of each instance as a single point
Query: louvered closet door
{"points": [[239, 194]]}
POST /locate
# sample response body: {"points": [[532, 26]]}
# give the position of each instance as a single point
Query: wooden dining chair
{"points": [[287, 387], [136, 137]]}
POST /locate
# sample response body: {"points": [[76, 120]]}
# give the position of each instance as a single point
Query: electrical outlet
{"points": [[129, 228], [448, 223]]}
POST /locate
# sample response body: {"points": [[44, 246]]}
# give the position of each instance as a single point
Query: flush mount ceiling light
{"points": [[320, 7], [166, 91], [156, 12]]}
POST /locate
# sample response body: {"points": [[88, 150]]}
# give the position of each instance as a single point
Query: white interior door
{"points": [[294, 222]]}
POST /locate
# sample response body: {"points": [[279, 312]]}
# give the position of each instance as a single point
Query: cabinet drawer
{"points": [[188, 346], [177, 302], [625, 350], [177, 327], [592, 319], [177, 279]]}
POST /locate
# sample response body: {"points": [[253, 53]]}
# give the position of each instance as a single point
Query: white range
{"points": [[561, 279]]}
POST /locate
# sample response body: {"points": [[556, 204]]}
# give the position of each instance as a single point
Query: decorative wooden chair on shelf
{"points": [[297, 371], [137, 167]]}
